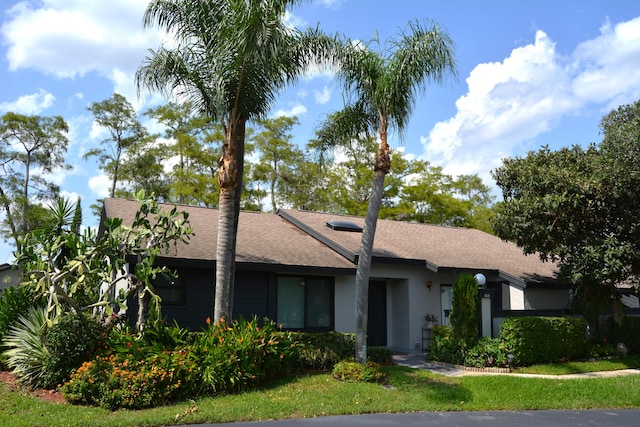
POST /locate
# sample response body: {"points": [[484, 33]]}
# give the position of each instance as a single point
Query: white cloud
{"points": [[69, 38], [331, 4], [34, 103], [322, 97], [510, 103], [100, 185], [297, 110]]}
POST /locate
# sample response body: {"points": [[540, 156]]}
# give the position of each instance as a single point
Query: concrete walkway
{"points": [[417, 361]]}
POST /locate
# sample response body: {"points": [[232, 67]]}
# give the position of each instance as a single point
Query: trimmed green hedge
{"points": [[534, 340]]}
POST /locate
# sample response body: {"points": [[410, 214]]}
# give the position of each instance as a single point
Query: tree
{"points": [[30, 148], [278, 156], [383, 88], [464, 315], [78, 272], [577, 206], [191, 148], [231, 60], [119, 118]]}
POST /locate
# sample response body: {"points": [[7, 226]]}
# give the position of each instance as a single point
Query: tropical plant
{"points": [[382, 89], [231, 59], [25, 351]]}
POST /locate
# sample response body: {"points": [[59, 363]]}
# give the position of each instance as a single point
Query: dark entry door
{"points": [[377, 323]]}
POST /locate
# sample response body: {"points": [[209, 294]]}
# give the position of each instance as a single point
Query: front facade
{"points": [[298, 268]]}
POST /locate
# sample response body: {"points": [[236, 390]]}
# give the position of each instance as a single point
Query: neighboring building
{"points": [[298, 268], [8, 276]]}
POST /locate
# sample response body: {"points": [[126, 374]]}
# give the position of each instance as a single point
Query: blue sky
{"points": [[530, 73]]}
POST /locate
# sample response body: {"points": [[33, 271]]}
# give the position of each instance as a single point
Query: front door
{"points": [[377, 323]]}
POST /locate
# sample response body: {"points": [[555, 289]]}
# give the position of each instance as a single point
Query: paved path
{"points": [[417, 361]]}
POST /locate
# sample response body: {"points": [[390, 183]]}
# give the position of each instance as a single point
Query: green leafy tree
{"points": [[278, 155], [576, 206], [231, 60], [192, 146], [126, 136], [30, 148], [382, 87]]}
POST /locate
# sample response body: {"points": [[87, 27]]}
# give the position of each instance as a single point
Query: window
{"points": [[305, 302], [170, 289]]}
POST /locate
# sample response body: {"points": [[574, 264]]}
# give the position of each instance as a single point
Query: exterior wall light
{"points": [[481, 280], [429, 285]]}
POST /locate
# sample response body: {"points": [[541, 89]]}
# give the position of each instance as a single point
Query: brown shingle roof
{"points": [[439, 247], [263, 238]]}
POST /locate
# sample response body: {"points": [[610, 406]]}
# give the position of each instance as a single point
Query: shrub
{"points": [[74, 339], [464, 309], [488, 352], [357, 372], [26, 353], [534, 340], [117, 381], [445, 347], [380, 356], [237, 355], [598, 348], [14, 301], [627, 332], [323, 350]]}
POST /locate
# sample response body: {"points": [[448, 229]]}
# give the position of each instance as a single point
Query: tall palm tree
{"points": [[231, 59], [382, 88]]}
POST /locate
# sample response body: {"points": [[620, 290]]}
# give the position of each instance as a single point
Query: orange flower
{"points": [[208, 320]]}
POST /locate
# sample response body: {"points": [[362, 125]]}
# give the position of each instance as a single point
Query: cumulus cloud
{"points": [[34, 103], [69, 38], [100, 185], [297, 110], [510, 103], [322, 97]]}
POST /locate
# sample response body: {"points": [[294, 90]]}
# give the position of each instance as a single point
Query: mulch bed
{"points": [[11, 382]]}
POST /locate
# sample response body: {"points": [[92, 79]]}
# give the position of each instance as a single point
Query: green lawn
{"points": [[317, 395], [583, 367]]}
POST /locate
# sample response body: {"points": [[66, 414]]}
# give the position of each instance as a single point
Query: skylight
{"points": [[344, 226]]}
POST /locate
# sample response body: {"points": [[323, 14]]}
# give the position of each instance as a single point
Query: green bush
{"points": [[14, 301], [534, 340], [118, 381], [445, 347], [380, 356], [487, 352], [627, 332], [73, 340], [357, 372], [323, 350], [237, 355], [26, 353]]}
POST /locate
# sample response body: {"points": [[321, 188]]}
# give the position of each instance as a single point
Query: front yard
{"points": [[407, 390]]}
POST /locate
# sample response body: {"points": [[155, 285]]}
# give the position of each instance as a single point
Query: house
{"points": [[298, 268], [9, 276]]}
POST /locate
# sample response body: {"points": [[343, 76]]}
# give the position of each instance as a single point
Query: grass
{"points": [[408, 390], [565, 368]]}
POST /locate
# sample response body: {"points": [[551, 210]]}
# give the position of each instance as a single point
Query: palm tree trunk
{"points": [[381, 167], [230, 179]]}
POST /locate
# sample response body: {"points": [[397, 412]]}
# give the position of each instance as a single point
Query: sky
{"points": [[529, 74]]}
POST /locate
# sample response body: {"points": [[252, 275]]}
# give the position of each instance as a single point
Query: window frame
{"points": [[307, 279]]}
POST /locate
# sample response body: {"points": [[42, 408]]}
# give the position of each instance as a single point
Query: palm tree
{"points": [[382, 88], [231, 59]]}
